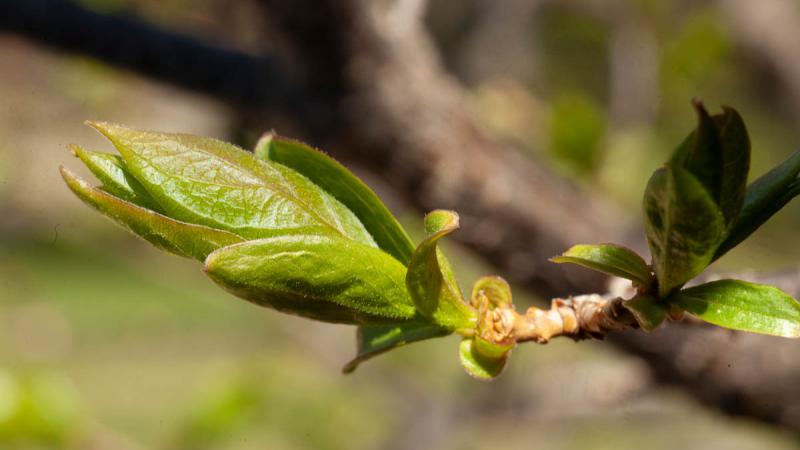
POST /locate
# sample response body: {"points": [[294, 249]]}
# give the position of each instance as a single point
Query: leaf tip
{"points": [[108, 129], [350, 367], [263, 147], [441, 220]]}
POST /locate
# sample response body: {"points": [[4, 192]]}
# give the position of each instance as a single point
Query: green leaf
{"points": [[183, 239], [717, 153], [648, 311], [339, 182], [494, 288], [111, 171], [735, 162], [611, 259], [430, 280], [479, 365], [740, 305], [376, 339], [212, 183], [326, 278], [765, 196], [683, 224]]}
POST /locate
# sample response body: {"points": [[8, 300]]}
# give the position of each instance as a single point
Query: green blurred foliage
{"points": [[695, 56], [38, 409], [574, 51], [577, 127]]}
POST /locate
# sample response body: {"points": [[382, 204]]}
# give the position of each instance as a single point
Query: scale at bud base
{"points": [[484, 355]]}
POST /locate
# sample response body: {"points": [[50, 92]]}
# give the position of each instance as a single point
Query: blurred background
{"points": [[539, 120]]}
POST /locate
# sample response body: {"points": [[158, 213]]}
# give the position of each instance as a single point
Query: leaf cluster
{"points": [[697, 207], [285, 227]]}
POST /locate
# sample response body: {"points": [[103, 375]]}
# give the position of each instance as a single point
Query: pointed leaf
{"points": [[336, 180], [376, 339], [326, 278], [735, 162], [648, 311], [183, 239], [111, 171], [684, 227], [212, 183], [717, 153], [765, 196], [430, 280], [701, 153], [740, 305], [478, 365], [611, 259]]}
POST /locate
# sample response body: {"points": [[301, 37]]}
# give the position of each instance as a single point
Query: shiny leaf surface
{"points": [[611, 259], [683, 225], [339, 182], [183, 239], [326, 278], [740, 305], [212, 183]]}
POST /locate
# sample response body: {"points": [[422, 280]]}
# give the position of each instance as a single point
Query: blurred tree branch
{"points": [[163, 55], [392, 107], [770, 30]]}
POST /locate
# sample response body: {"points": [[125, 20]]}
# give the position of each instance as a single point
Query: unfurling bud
{"points": [[287, 228]]}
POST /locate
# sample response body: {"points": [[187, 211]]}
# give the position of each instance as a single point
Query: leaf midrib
{"points": [[280, 191]]}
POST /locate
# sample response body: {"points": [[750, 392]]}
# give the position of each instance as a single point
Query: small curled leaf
{"points": [[495, 289], [430, 279], [648, 311], [477, 364]]}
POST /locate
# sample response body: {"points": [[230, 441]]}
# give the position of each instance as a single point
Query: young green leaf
{"points": [[111, 171], [648, 311], [701, 152], [430, 280], [326, 278], [212, 183], [717, 153], [183, 239], [479, 365], [338, 181], [611, 259], [735, 162], [740, 305], [765, 196], [683, 225], [373, 340]]}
